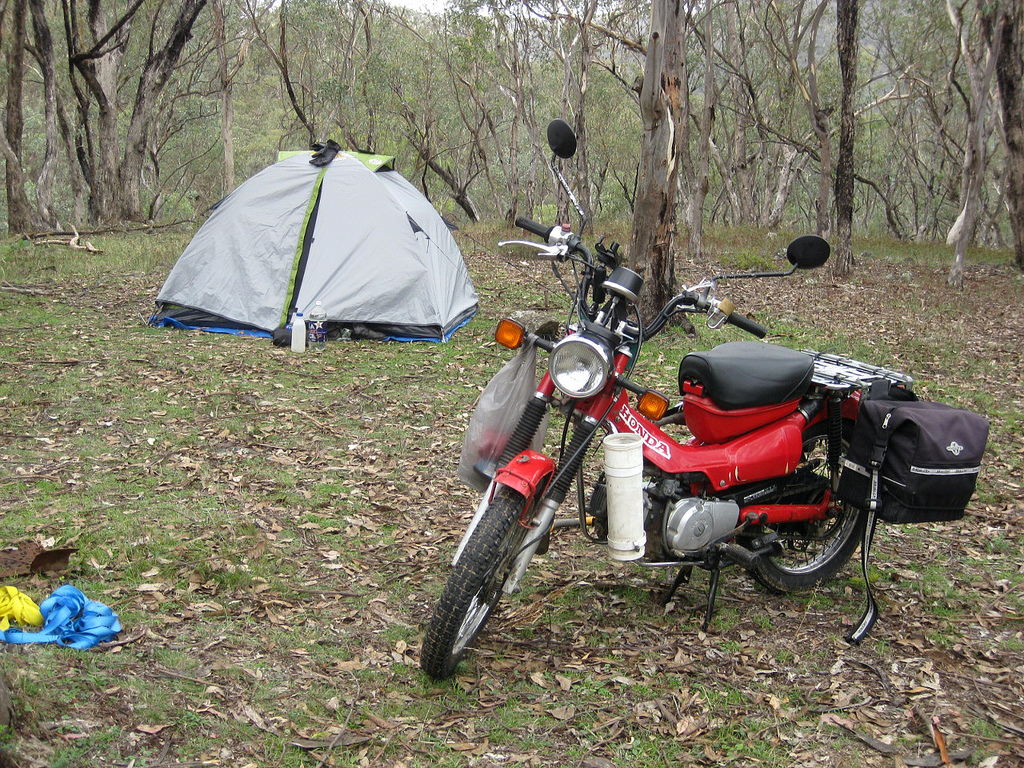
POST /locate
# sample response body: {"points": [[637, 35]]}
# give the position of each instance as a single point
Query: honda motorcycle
{"points": [[742, 471]]}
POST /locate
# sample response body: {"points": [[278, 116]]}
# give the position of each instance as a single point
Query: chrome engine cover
{"points": [[691, 523]]}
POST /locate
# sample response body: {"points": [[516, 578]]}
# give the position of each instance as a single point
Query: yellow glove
{"points": [[16, 605]]}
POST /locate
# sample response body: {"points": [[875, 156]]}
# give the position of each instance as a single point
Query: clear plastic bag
{"points": [[495, 417]]}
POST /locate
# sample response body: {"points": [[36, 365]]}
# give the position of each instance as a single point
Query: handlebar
{"points": [[744, 323], [691, 300], [532, 226]]}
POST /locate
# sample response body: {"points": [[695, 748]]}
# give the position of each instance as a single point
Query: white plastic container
{"points": [[298, 333], [623, 471]]}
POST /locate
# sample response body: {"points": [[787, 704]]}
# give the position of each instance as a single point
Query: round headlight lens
{"points": [[579, 366]]}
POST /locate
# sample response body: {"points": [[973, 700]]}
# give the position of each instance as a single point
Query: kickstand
{"points": [[683, 577], [716, 572]]}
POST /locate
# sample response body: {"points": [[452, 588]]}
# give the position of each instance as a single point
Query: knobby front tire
{"points": [[474, 586]]}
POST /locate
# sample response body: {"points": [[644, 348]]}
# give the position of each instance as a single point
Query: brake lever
{"points": [[544, 251]]}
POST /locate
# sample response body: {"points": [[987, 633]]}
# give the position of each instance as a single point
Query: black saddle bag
{"points": [[909, 462], [913, 462]]}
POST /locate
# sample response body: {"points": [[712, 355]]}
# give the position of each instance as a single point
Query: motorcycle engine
{"points": [[691, 523]]}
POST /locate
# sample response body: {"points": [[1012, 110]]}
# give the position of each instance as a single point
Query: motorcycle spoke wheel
{"points": [[812, 553], [474, 586]]}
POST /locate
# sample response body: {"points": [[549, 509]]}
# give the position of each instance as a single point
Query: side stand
{"points": [[683, 577]]}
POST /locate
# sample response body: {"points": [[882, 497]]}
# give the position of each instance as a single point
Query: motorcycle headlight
{"points": [[579, 366]]}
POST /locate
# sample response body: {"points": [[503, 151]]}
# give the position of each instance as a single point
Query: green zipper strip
{"points": [[298, 250]]}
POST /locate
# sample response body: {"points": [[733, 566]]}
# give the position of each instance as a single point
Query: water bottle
{"points": [[316, 328], [298, 333]]}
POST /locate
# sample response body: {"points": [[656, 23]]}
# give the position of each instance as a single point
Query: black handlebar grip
{"points": [[744, 323], [532, 226]]}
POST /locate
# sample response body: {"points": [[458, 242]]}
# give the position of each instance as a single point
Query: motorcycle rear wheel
{"points": [[474, 586], [812, 553]]}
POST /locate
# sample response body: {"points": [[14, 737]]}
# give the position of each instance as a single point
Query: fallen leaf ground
{"points": [[273, 530]]}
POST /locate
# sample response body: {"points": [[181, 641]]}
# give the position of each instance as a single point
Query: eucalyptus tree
{"points": [[796, 40], [695, 168], [664, 110], [1003, 29], [846, 34], [761, 145], [979, 63], [97, 43], [564, 27], [617, 83], [911, 116], [232, 39], [444, 108], [13, 33], [523, 156]]}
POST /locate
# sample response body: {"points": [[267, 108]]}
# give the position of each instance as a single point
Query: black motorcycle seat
{"points": [[748, 374]]}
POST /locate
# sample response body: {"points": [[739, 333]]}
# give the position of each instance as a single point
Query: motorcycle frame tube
{"points": [[773, 450], [770, 451]]}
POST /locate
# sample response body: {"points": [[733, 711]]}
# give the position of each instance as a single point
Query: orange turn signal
{"points": [[652, 405], [509, 334]]}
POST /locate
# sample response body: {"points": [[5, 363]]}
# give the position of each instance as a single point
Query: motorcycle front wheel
{"points": [[475, 585], [812, 553]]}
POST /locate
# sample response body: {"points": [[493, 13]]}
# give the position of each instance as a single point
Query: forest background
{"points": [[150, 112], [273, 528]]}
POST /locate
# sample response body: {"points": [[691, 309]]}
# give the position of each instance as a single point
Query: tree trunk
{"points": [[698, 191], [742, 177], [20, 216], [819, 121], [100, 64], [47, 64], [792, 163], [227, 108], [1003, 26], [663, 116], [155, 73], [980, 64], [846, 33]]}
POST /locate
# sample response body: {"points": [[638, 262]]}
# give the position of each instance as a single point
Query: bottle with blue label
{"points": [[316, 328]]}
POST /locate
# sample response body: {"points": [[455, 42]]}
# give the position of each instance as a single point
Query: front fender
{"points": [[527, 474]]}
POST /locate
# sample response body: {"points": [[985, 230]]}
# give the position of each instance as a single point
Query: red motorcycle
{"points": [[752, 484]]}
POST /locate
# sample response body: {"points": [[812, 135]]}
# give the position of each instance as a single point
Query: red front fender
{"points": [[527, 474]]}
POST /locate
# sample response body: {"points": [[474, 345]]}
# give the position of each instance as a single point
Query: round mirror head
{"points": [[561, 138], [808, 252]]}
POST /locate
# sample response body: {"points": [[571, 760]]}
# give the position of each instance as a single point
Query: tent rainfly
{"points": [[349, 232]]}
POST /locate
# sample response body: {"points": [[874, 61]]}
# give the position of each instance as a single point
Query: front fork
{"points": [[533, 476], [540, 526], [522, 437]]}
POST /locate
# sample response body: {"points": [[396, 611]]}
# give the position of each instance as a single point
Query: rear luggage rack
{"points": [[839, 372]]}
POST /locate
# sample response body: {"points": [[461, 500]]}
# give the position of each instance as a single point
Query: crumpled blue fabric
{"points": [[70, 619]]}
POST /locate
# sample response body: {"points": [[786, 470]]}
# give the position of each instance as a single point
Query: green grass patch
{"points": [[273, 530]]}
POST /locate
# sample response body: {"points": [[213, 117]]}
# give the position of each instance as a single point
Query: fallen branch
{"points": [[27, 291], [72, 241]]}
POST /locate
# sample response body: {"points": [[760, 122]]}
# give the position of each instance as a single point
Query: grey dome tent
{"points": [[353, 234]]}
